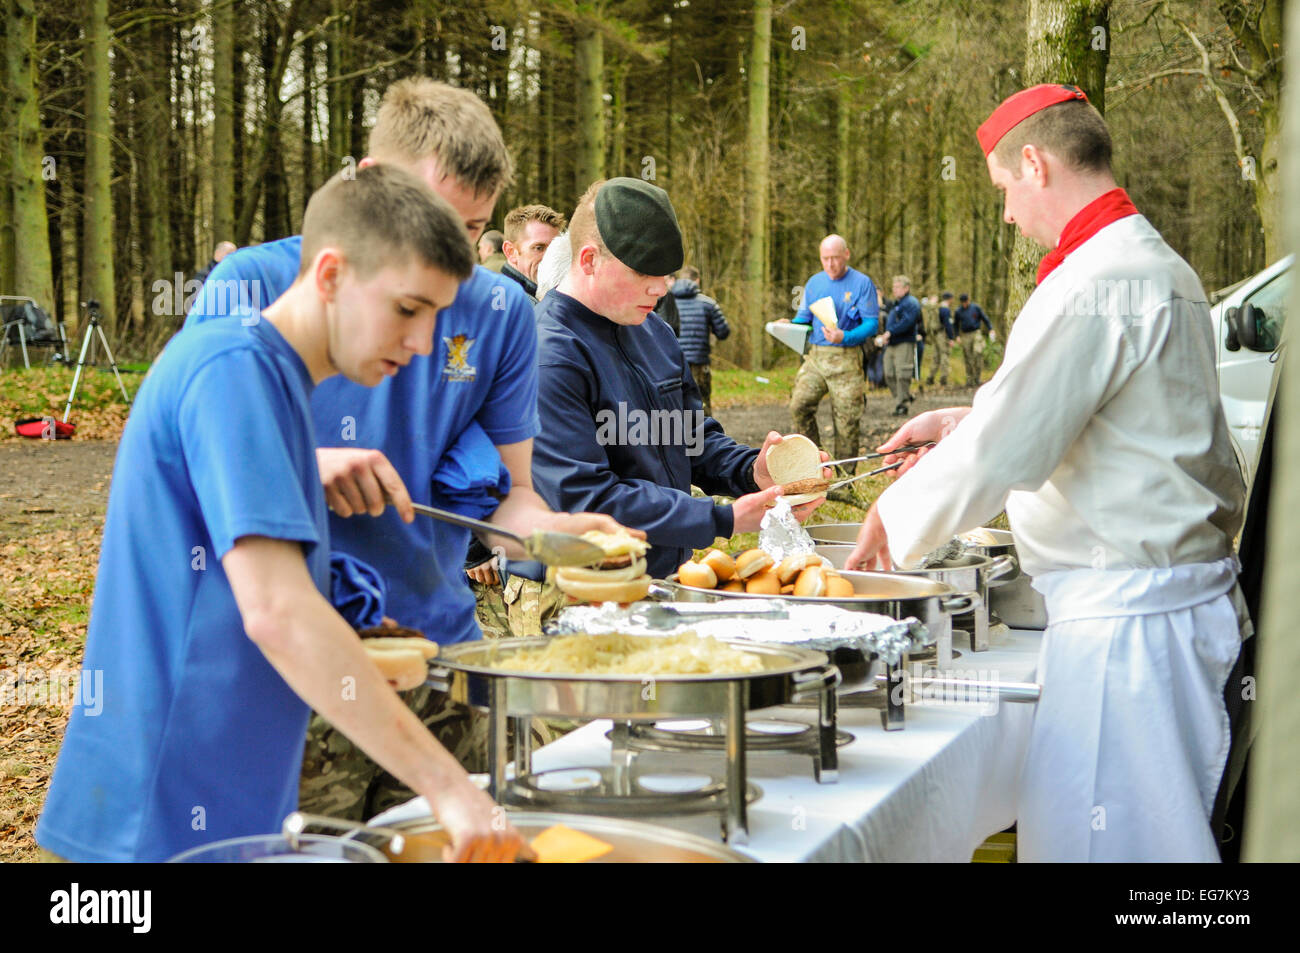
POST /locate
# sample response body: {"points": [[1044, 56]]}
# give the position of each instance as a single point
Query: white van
{"points": [[1248, 320]]}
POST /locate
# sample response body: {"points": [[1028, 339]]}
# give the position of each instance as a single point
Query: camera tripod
{"points": [[93, 325]]}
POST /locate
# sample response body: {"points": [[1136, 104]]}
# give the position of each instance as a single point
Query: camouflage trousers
{"points": [[340, 780], [703, 375], [519, 608], [972, 346], [941, 366], [837, 371], [900, 362]]}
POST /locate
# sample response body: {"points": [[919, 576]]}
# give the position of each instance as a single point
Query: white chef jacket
{"points": [[1102, 436]]}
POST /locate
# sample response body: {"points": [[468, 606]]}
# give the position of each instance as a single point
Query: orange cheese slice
{"points": [[564, 845]]}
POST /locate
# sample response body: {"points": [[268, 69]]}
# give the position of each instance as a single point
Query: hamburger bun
{"points": [[791, 566], [752, 561], [811, 582], [620, 577], [723, 566], [764, 583], [402, 660], [733, 585], [837, 587], [792, 461], [699, 575]]}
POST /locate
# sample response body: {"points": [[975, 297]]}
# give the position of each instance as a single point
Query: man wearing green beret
{"points": [[623, 431]]}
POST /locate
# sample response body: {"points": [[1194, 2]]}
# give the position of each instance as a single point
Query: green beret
{"points": [[637, 223]]}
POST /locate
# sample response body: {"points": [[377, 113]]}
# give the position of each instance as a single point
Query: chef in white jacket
{"points": [[1102, 437]]}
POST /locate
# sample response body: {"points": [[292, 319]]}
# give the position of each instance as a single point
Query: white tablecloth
{"points": [[930, 792]]}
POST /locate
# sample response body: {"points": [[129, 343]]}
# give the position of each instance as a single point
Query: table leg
{"points": [[826, 762], [895, 688], [497, 750], [735, 828]]}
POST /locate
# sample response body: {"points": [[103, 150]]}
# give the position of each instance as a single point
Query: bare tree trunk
{"points": [[151, 141], [223, 125], [97, 253], [32, 270], [589, 65], [757, 180], [842, 155], [1065, 46]]}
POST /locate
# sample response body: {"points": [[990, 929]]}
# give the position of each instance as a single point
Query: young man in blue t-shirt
{"points": [[389, 441], [210, 624]]}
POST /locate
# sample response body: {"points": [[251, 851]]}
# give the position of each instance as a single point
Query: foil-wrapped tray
{"points": [[820, 628]]}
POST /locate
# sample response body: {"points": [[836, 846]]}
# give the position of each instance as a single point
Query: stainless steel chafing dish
{"points": [[789, 674], [970, 572]]}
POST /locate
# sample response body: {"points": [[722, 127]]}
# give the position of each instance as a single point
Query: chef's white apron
{"points": [[1131, 734]]}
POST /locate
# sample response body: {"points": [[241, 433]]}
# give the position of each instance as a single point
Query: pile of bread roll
{"points": [[756, 571]]}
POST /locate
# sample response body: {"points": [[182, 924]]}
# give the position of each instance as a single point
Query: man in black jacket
{"points": [[623, 431], [699, 316], [529, 231]]}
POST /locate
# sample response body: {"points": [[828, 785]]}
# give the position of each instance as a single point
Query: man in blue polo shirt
{"points": [[210, 623], [834, 360], [378, 444]]}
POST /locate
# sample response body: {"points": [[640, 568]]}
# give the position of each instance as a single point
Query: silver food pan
{"points": [[789, 674], [889, 594], [633, 841]]}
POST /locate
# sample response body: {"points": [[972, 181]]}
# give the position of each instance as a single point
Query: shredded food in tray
{"points": [[618, 654]]}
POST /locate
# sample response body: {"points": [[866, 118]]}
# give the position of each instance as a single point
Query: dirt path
{"points": [[51, 484], [750, 424]]}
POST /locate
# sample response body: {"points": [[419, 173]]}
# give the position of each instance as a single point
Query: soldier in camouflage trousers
{"points": [[837, 370]]}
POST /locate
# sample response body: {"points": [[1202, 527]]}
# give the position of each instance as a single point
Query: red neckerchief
{"points": [[1091, 219]]}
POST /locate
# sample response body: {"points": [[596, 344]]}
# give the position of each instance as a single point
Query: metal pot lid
{"points": [[477, 658], [633, 841]]}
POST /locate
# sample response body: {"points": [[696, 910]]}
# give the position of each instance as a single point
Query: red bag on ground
{"points": [[44, 428]]}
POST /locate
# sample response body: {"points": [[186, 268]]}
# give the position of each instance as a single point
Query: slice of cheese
{"points": [[564, 845], [823, 310]]}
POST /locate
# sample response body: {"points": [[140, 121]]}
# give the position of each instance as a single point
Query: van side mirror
{"points": [[1232, 321], [1252, 319]]}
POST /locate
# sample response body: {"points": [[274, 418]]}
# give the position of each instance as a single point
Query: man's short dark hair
{"points": [[1072, 131], [494, 240], [964, 297], [691, 273]]}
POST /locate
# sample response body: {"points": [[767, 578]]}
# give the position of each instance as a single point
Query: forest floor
{"points": [[53, 496]]}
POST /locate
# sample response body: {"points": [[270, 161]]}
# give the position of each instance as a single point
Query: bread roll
{"points": [[811, 582], [764, 583], [752, 561], [723, 566], [791, 566], [699, 575], [837, 587]]}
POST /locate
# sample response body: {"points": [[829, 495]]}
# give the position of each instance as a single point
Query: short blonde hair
{"points": [[382, 215], [419, 117], [517, 218], [582, 226], [901, 280]]}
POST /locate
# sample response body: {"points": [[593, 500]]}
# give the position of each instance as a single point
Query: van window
{"points": [[1271, 299]]}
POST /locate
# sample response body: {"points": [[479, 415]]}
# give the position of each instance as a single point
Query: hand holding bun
{"points": [[401, 655]]}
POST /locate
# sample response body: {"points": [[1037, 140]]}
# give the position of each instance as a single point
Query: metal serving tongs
{"points": [[877, 456], [553, 549]]}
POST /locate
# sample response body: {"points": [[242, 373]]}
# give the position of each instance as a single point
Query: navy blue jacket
{"points": [[904, 317], [623, 432], [700, 314], [970, 317], [945, 318]]}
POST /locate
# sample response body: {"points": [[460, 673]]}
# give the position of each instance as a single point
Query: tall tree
{"points": [[756, 179], [97, 248], [32, 273], [1069, 42], [223, 122], [589, 66]]}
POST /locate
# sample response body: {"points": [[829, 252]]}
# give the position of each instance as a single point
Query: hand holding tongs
{"points": [[876, 456], [553, 549]]}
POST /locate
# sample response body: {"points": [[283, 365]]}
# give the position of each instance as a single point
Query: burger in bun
{"points": [[620, 577]]}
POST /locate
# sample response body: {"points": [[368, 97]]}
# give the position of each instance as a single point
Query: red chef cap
{"points": [[1019, 107]]}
